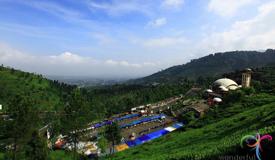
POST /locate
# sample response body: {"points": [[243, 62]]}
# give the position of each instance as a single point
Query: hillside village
{"points": [[150, 121]]}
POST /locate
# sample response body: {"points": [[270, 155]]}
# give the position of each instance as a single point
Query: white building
{"points": [[225, 84]]}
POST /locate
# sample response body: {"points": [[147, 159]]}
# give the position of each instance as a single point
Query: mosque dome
{"points": [[225, 84]]}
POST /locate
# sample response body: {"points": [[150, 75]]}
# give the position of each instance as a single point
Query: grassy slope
{"points": [[60, 155], [14, 82], [220, 136], [1, 155], [54, 155]]}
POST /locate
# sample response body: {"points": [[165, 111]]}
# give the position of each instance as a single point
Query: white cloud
{"points": [[117, 7], [111, 62], [172, 3], [70, 64], [252, 34], [5, 54], [124, 64], [157, 22], [63, 12], [256, 33], [55, 9], [149, 64], [227, 7], [68, 57]]}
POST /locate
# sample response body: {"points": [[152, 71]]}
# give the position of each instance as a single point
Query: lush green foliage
{"points": [[75, 117], [102, 144], [48, 94], [1, 155], [113, 134], [37, 148], [120, 98], [53, 155], [103, 101], [18, 129], [60, 155]]}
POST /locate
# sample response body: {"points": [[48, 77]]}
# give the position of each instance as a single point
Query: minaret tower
{"points": [[246, 78]]}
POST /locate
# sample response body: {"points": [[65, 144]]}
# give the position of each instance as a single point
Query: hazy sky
{"points": [[127, 38]]}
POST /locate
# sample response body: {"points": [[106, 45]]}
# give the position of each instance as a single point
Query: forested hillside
{"points": [[47, 94], [121, 98], [103, 101], [211, 65]]}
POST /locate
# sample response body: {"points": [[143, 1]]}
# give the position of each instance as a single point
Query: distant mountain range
{"points": [[211, 65]]}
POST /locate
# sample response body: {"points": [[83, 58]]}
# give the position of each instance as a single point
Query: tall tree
{"points": [[36, 148], [76, 117], [102, 144], [22, 120], [113, 134]]}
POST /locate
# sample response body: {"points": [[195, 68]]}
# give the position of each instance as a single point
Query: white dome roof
{"points": [[223, 88], [216, 99], [226, 83]]}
